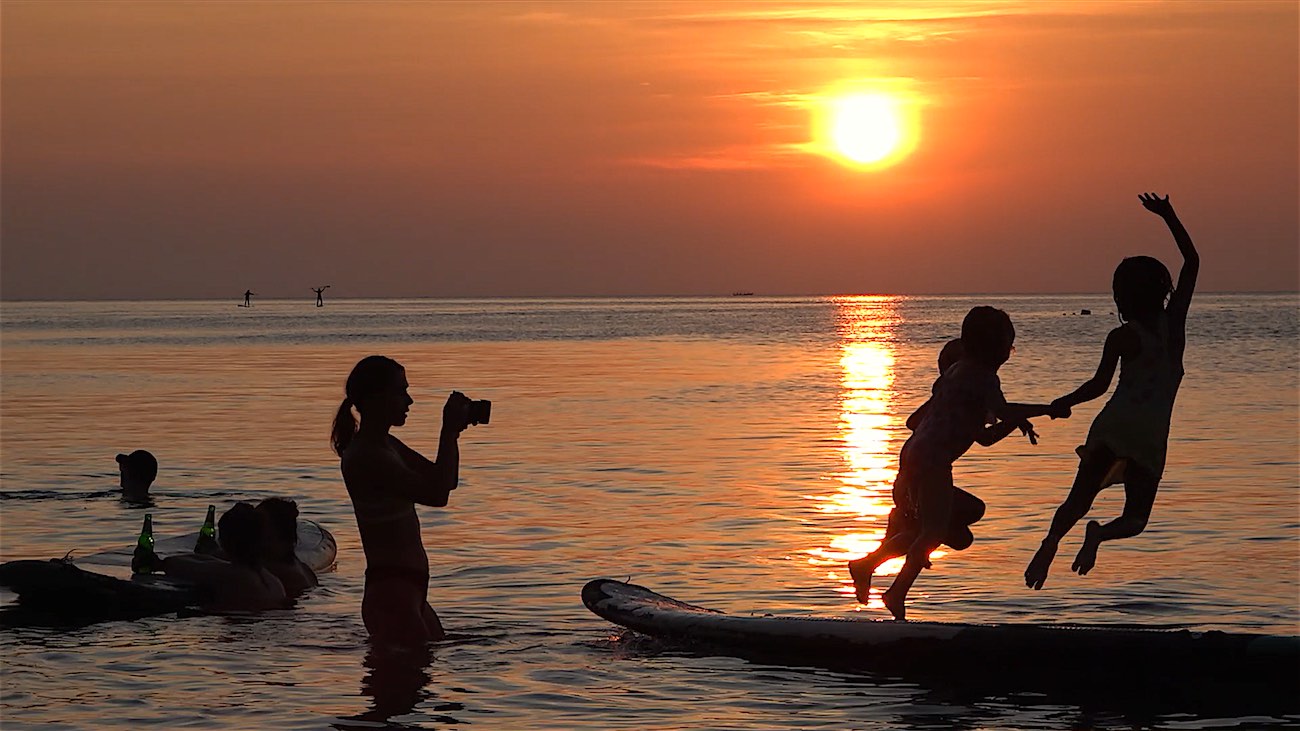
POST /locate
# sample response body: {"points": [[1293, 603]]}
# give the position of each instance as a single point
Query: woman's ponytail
{"points": [[345, 427]]}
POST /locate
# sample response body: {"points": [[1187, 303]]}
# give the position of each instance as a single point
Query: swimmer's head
{"points": [[241, 533], [1141, 284], [281, 518], [137, 472], [376, 387], [987, 336], [951, 353]]}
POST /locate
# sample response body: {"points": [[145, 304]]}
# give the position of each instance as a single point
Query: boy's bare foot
{"points": [[1087, 557], [861, 570], [895, 602], [1036, 574]]}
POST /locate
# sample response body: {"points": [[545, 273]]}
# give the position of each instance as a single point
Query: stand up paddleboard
{"points": [[100, 585], [978, 649]]}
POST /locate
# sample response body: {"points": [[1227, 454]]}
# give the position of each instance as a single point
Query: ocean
{"points": [[731, 452]]}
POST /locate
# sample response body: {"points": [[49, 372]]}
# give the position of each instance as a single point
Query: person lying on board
{"points": [[240, 582], [966, 508], [966, 406], [281, 517]]}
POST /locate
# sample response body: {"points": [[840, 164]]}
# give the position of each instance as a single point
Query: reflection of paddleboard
{"points": [[96, 587], [1027, 649]]}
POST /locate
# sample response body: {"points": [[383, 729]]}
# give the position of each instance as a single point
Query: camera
{"points": [[480, 412]]}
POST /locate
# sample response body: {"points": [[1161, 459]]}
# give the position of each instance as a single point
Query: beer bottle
{"points": [[207, 542], [142, 561]]}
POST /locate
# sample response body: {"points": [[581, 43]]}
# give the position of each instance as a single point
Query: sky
{"points": [[154, 150]]}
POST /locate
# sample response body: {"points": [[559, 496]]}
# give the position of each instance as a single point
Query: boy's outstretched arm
{"points": [[1017, 414], [1181, 299], [1120, 341]]}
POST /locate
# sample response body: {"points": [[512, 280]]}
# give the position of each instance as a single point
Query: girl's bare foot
{"points": [[1036, 574], [1087, 557], [861, 570], [895, 602]]}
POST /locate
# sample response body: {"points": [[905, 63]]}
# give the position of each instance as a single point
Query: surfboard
{"points": [[971, 648], [316, 548], [100, 585]]}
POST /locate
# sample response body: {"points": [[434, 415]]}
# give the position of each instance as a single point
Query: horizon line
{"points": [[4, 300]]}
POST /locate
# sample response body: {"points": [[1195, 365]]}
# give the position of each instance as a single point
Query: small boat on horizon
{"points": [[742, 294]]}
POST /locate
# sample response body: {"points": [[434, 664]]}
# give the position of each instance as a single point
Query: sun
{"points": [[865, 129]]}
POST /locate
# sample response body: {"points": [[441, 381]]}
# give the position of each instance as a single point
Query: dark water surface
{"points": [[730, 452]]}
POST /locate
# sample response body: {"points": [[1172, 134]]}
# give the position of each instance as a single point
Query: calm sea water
{"points": [[730, 452]]}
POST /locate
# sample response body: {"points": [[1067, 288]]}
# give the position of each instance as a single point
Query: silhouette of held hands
{"points": [[1157, 205], [1059, 410]]}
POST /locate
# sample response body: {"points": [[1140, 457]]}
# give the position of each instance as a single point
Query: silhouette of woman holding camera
{"points": [[385, 480]]}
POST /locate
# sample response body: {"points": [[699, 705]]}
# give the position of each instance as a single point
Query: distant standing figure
{"points": [[1129, 437], [385, 480], [138, 471], [320, 300], [248, 295]]}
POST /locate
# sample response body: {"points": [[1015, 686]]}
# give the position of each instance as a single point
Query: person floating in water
{"points": [[281, 516], [1128, 439], [137, 472], [966, 406], [240, 581], [320, 291], [248, 297], [966, 508], [385, 480]]}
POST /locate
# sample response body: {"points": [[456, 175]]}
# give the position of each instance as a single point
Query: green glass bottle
{"points": [[207, 542], [142, 561]]}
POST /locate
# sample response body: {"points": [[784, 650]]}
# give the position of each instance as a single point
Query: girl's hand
{"points": [[1157, 205], [1059, 410], [455, 413]]}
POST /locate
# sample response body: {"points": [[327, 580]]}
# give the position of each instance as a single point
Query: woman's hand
{"points": [[1157, 205], [455, 413]]}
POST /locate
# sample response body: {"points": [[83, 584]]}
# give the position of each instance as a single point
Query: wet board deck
{"points": [[1028, 648], [100, 585]]}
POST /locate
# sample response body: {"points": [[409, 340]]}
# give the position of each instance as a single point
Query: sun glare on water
{"points": [[868, 130]]}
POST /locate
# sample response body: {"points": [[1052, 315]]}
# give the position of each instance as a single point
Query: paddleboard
{"points": [[975, 648], [100, 585]]}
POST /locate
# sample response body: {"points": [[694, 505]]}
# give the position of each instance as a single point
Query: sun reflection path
{"points": [[871, 433]]}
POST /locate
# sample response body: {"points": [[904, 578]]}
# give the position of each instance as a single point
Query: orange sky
{"points": [[155, 150]]}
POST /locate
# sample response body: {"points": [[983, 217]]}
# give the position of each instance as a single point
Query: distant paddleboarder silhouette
{"points": [[320, 301], [248, 295]]}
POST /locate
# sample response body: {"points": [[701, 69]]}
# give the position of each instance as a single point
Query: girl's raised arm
{"points": [[1181, 299]]}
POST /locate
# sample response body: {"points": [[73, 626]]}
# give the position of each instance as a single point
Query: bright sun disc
{"points": [[866, 128]]}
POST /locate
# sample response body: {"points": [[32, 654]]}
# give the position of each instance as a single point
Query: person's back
{"points": [[963, 400]]}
